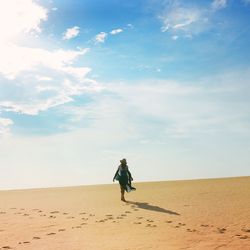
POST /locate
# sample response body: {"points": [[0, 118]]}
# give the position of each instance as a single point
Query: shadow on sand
{"points": [[145, 205]]}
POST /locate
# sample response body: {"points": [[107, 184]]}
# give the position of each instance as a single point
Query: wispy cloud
{"points": [[175, 37], [187, 20], [101, 37], [219, 4], [184, 20], [131, 26], [71, 33], [177, 109], [5, 124], [116, 31], [39, 78]]}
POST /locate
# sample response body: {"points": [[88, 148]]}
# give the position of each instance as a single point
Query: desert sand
{"points": [[196, 214]]}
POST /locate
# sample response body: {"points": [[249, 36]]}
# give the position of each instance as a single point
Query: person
{"points": [[124, 177]]}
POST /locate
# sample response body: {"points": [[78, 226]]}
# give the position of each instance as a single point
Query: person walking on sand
{"points": [[124, 177]]}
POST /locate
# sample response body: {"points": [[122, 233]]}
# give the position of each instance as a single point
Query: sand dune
{"points": [[200, 214]]}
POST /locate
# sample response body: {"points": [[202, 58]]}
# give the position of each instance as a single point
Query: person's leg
{"points": [[122, 193]]}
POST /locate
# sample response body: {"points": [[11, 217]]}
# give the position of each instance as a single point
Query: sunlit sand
{"points": [[200, 214]]}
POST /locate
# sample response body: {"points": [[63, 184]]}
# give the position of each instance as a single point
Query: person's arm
{"points": [[116, 173]]}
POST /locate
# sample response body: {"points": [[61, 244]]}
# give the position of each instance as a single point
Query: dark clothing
{"points": [[124, 177]]}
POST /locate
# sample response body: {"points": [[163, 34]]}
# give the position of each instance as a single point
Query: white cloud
{"points": [[16, 59], [43, 78], [184, 19], [154, 118], [37, 78], [219, 4], [175, 37], [71, 33], [5, 123], [20, 17], [29, 98], [116, 31], [101, 37], [182, 110]]}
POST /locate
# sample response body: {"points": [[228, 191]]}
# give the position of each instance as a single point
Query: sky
{"points": [[85, 83]]}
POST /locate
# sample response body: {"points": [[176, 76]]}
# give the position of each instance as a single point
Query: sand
{"points": [[198, 214]]}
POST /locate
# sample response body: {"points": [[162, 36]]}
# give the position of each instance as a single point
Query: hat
{"points": [[123, 161]]}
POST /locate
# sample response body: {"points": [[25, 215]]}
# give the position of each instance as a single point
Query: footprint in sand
{"points": [[61, 230], [181, 224], [191, 230], [6, 247], [85, 218], [91, 215], [246, 230], [221, 230], [127, 212], [82, 213], [70, 217], [76, 227], [204, 225], [150, 221], [109, 217], [98, 221], [149, 225], [36, 238], [52, 217], [51, 233], [123, 215], [25, 214], [169, 221], [54, 212], [139, 218], [65, 213], [2, 212], [243, 237], [84, 223], [137, 223], [26, 242]]}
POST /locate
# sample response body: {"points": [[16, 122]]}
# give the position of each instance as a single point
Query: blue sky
{"points": [[83, 84]]}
